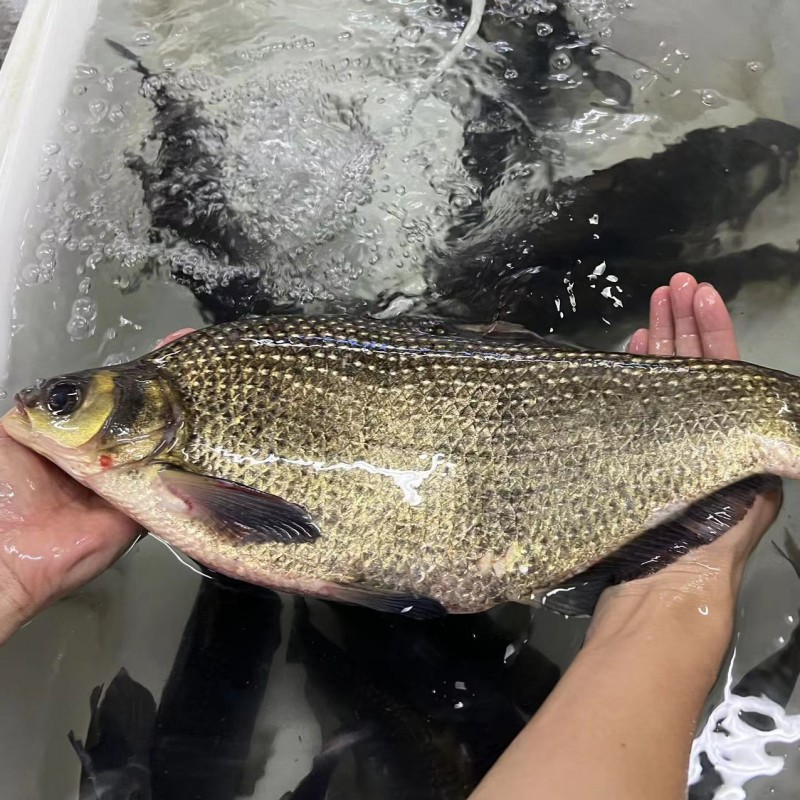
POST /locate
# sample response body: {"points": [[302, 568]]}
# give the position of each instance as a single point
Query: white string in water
{"points": [[739, 754], [476, 11]]}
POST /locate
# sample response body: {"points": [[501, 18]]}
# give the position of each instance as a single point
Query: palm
{"points": [[55, 534]]}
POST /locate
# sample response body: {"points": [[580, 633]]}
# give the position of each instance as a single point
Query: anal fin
{"points": [[700, 524], [389, 602]]}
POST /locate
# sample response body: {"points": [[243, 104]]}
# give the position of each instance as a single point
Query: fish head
{"points": [[91, 421]]}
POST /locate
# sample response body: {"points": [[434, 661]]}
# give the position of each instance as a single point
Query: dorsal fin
{"points": [[511, 332]]}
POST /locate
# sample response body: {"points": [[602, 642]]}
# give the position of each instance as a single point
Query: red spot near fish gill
{"points": [[106, 461]]}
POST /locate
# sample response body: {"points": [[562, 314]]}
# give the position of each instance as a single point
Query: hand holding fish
{"points": [[620, 723], [55, 534]]}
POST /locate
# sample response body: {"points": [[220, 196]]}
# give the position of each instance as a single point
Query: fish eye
{"points": [[63, 398]]}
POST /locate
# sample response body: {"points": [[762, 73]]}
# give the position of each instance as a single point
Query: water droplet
{"points": [[544, 29], [85, 285], [143, 38], [594, 219], [51, 148], [47, 235], [436, 10], [755, 66], [72, 127], [344, 36], [75, 163], [510, 74], [3, 394]]}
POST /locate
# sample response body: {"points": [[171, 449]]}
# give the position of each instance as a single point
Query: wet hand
{"points": [[55, 534], [690, 319]]}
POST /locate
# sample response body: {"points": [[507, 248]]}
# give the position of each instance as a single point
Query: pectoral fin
{"points": [[701, 523], [244, 513]]}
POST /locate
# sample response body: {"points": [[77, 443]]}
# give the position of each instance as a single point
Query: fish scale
{"points": [[439, 462], [531, 463]]}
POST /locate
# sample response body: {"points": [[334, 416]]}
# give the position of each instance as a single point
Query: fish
{"points": [[140, 749], [209, 750], [184, 193], [115, 759], [406, 752], [418, 467], [315, 785], [639, 221]]}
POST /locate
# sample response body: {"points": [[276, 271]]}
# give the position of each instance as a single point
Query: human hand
{"points": [[687, 319], [55, 534]]}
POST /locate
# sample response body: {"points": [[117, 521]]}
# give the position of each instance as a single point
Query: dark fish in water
{"points": [[639, 221], [115, 759], [416, 467], [315, 785], [199, 743], [407, 754], [184, 193], [204, 747], [654, 216], [459, 672]]}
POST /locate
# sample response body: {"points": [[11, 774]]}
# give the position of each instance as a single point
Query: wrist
{"points": [[689, 627], [16, 605]]}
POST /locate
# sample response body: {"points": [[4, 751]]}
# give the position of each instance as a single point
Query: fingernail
{"points": [[709, 294]]}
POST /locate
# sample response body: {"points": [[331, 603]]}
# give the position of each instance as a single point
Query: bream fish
{"points": [[417, 467]]}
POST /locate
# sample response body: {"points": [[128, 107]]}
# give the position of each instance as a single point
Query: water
{"points": [[378, 156]]}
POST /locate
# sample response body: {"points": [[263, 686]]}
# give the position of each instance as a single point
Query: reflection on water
{"points": [[547, 162]]}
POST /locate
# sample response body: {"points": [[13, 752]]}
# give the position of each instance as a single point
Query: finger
{"points": [[714, 322], [662, 331], [173, 336], [682, 290], [639, 343]]}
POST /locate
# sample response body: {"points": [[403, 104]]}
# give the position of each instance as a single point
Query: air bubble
{"points": [[510, 74], [561, 61], [544, 29], [143, 39], [51, 148], [98, 109], [344, 36], [116, 113], [412, 33], [711, 98], [85, 71], [755, 66]]}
